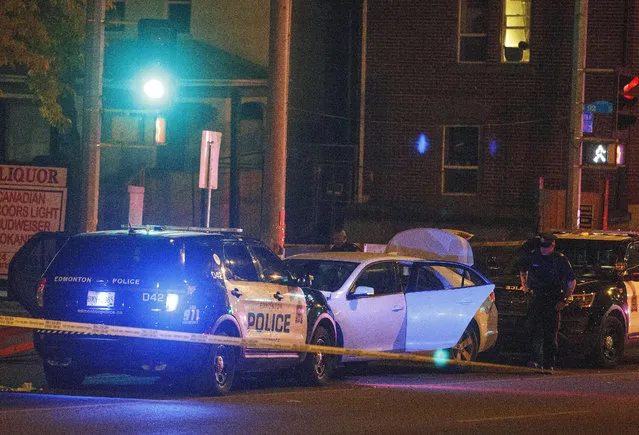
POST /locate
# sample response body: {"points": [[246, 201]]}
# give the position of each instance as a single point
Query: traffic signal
{"points": [[155, 87], [628, 86]]}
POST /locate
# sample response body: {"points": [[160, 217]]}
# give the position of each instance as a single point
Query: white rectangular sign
{"points": [[209, 159], [32, 199]]}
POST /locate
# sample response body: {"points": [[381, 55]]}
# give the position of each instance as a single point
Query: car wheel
{"points": [[317, 368], [466, 347], [219, 370], [610, 346], [62, 377]]}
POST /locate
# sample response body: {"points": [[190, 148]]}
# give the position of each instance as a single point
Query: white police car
{"points": [[389, 302], [188, 280]]}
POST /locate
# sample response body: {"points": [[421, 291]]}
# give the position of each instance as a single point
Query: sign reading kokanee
{"points": [[32, 199]]}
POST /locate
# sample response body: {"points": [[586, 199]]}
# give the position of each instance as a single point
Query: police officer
{"points": [[548, 275], [340, 243]]}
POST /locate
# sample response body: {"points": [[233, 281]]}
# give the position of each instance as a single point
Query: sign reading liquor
{"points": [[32, 199]]}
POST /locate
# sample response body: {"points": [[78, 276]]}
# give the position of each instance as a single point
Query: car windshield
{"points": [[592, 257], [325, 275], [588, 257]]}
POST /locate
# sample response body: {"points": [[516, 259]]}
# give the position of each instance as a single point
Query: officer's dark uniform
{"points": [[548, 276]]}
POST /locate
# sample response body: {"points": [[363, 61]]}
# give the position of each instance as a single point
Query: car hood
{"points": [[431, 244]]}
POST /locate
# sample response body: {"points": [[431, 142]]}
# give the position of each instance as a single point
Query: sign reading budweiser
{"points": [[32, 199]]}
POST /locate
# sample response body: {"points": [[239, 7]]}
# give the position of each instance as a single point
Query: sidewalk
{"points": [[14, 340]]}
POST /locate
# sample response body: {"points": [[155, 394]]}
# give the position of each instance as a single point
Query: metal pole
{"points": [[208, 184], [91, 120], [274, 179], [573, 190]]}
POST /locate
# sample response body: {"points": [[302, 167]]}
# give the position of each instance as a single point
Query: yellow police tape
{"points": [[156, 334]]}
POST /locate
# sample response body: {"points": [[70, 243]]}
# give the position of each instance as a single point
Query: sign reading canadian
{"points": [[32, 199]]}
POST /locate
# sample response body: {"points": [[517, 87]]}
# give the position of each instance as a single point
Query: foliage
{"points": [[43, 39]]}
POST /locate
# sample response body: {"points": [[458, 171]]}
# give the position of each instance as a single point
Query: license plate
{"points": [[100, 299]]}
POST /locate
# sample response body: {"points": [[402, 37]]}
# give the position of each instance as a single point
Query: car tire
{"points": [[218, 373], [317, 368], [610, 346], [465, 350], [63, 377]]}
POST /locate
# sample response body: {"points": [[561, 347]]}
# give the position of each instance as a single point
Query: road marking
{"points": [[521, 416]]}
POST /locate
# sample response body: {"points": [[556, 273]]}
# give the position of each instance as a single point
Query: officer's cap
{"points": [[546, 239]]}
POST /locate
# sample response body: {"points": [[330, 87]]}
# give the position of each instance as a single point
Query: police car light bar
{"points": [[178, 228]]}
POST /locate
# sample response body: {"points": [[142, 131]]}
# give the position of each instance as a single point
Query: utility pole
{"points": [[274, 178], [91, 116], [573, 190]]}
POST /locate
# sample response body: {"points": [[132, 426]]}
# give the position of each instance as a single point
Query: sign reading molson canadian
{"points": [[32, 199]]}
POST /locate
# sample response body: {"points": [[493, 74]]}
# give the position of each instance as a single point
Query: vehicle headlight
{"points": [[172, 301], [584, 300]]}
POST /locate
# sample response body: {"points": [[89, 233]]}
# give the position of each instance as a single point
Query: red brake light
{"points": [[492, 296], [40, 292]]}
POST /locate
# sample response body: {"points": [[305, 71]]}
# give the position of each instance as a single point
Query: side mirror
{"points": [[362, 291]]}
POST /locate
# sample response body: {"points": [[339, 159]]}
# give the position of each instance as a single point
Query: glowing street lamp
{"points": [[154, 89]]}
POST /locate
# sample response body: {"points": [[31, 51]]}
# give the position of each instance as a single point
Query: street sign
{"points": [[587, 122], [598, 107]]}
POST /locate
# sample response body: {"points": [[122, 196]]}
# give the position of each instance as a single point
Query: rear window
{"points": [[145, 257]]}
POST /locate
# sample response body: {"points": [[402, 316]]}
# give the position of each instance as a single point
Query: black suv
{"points": [[602, 317], [189, 280]]}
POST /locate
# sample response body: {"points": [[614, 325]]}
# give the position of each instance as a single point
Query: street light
{"points": [[154, 89]]}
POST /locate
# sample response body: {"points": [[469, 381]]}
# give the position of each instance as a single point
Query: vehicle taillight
{"points": [[492, 296], [40, 292]]}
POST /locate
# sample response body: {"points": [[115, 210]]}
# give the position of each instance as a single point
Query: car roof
{"points": [[168, 232], [357, 257]]}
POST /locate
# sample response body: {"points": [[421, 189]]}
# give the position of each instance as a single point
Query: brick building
{"points": [[468, 104]]}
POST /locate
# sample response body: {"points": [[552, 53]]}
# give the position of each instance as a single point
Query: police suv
{"points": [[602, 316], [203, 281]]}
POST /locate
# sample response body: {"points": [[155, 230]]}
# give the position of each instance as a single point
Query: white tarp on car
{"points": [[431, 244]]}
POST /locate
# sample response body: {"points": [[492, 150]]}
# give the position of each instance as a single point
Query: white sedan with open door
{"points": [[401, 303]]}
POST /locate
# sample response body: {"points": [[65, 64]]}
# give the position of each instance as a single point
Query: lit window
{"points": [[460, 160], [516, 31], [180, 15], [473, 24]]}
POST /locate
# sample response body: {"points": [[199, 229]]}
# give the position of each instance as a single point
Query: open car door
{"points": [[441, 300], [28, 265]]}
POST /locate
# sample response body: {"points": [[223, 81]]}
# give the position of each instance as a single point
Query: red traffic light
{"points": [[628, 86]]}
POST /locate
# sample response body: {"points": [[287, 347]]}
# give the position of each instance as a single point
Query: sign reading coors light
{"points": [[209, 159]]}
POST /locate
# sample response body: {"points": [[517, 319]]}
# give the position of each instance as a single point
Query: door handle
{"points": [[464, 302], [235, 292], [398, 307], [278, 296]]}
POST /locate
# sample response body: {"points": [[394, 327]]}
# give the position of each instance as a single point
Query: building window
{"points": [[460, 160], [180, 15], [473, 26], [115, 17], [516, 31]]}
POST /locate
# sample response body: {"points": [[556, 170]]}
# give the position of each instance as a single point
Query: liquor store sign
{"points": [[32, 199]]}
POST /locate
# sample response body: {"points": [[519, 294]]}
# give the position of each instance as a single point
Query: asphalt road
{"points": [[383, 398]]}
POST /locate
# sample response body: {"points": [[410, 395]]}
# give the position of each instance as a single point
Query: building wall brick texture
{"points": [[415, 85]]}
